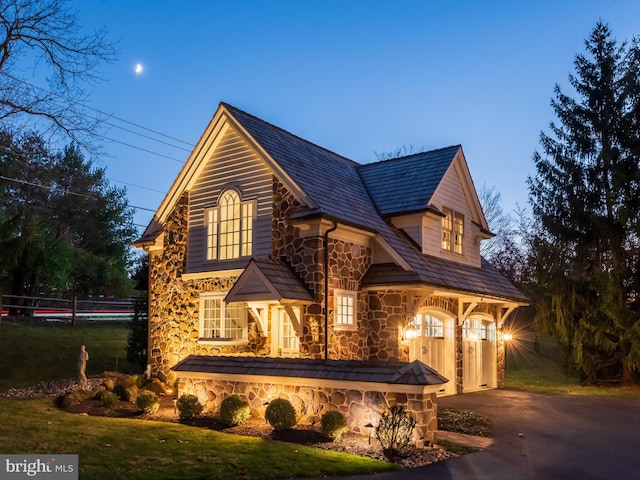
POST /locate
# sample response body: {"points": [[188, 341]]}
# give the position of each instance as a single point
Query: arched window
{"points": [[229, 228]]}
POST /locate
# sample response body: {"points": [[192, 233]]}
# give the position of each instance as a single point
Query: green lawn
{"points": [[542, 371], [112, 448], [32, 353]]}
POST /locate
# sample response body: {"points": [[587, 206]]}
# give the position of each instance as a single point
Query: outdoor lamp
{"points": [[369, 428]]}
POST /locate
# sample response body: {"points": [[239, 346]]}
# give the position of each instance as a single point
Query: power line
{"points": [[137, 186], [51, 189], [108, 115]]}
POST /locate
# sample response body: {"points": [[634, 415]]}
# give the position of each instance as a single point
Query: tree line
{"points": [[576, 254]]}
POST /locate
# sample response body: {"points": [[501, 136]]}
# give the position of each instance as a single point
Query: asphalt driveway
{"points": [[544, 436]]}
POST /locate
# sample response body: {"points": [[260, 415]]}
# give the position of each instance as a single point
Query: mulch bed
{"points": [[308, 435]]}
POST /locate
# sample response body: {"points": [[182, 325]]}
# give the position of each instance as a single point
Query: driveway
{"points": [[543, 436]]}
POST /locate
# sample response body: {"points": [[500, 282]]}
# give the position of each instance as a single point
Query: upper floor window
{"points": [[229, 228], [345, 309], [452, 230], [220, 321]]}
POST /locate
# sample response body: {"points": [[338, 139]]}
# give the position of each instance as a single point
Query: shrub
{"points": [[280, 414], [395, 430], [234, 410], [148, 402], [109, 399], [334, 425], [189, 406]]}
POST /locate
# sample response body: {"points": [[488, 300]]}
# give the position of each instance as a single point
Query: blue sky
{"points": [[356, 77]]}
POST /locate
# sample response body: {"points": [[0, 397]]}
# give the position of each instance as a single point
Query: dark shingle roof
{"points": [[392, 183], [447, 274], [399, 373], [335, 185], [286, 285]]}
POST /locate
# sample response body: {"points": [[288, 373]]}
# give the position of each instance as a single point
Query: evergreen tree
{"points": [[63, 229], [585, 198]]}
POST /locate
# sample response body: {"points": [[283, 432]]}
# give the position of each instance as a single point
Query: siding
{"points": [[233, 164], [451, 195]]}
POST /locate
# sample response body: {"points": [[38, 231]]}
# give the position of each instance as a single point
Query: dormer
{"points": [[430, 196]]}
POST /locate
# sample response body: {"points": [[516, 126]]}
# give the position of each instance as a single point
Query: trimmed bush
{"points": [[395, 430], [280, 414], [109, 399], [334, 425], [189, 407], [234, 410], [148, 402]]}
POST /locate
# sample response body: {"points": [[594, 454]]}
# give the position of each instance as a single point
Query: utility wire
{"points": [[108, 115], [51, 189]]}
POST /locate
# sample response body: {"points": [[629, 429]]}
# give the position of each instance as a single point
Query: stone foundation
{"points": [[360, 406]]}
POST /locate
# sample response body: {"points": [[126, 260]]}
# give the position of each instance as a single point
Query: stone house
{"points": [[279, 268]]}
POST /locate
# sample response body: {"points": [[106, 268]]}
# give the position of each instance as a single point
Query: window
{"points": [[345, 309], [220, 321], [229, 228], [288, 337], [452, 230], [425, 326]]}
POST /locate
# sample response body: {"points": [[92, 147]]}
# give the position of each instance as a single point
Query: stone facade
{"points": [[378, 334], [359, 406]]}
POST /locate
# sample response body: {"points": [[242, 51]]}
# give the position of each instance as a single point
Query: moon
{"points": [[139, 68]]}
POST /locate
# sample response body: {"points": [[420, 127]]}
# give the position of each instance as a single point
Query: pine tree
{"points": [[585, 199], [63, 229]]}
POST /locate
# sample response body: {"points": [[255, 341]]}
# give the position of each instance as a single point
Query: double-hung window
{"points": [[220, 321], [345, 309], [452, 230], [229, 227]]}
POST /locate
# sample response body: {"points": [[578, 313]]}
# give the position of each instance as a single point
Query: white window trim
{"points": [[452, 214], [212, 214], [219, 341], [354, 297]]}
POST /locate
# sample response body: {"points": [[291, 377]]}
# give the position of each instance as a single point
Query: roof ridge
{"points": [[411, 155], [287, 132]]}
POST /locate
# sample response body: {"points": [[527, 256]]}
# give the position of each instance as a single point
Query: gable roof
{"points": [[268, 280], [398, 373], [330, 185], [330, 180], [392, 183]]}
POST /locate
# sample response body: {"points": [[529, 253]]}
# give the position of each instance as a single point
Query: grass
{"points": [[542, 371], [114, 448], [33, 353]]}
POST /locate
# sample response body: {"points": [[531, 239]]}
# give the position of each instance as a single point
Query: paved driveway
{"points": [[544, 436]]}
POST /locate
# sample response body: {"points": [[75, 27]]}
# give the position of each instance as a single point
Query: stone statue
{"points": [[82, 366]]}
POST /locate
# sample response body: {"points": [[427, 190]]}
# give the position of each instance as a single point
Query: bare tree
{"points": [[402, 151], [43, 39]]}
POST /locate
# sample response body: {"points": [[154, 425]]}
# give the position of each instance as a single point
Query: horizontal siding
{"points": [[233, 164], [451, 195]]}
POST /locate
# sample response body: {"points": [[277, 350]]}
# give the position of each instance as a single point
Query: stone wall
{"points": [[348, 262], [359, 406], [174, 304], [386, 318]]}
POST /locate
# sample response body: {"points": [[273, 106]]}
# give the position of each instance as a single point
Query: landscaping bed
{"points": [[308, 435]]}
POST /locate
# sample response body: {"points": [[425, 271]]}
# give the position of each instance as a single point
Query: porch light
{"points": [[507, 337], [411, 333], [369, 428]]}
